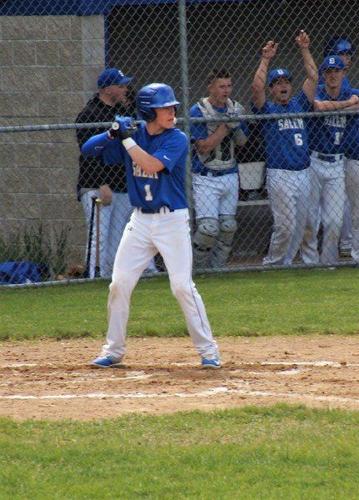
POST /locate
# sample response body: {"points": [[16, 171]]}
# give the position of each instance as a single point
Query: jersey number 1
{"points": [[148, 194]]}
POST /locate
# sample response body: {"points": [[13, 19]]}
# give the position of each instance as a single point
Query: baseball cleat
{"points": [[106, 362], [211, 362]]}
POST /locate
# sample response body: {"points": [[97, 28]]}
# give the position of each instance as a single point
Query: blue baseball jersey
{"points": [[199, 131], [149, 191], [327, 133], [286, 139], [351, 135]]}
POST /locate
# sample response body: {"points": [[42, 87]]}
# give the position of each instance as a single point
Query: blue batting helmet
{"points": [[154, 95], [337, 46]]}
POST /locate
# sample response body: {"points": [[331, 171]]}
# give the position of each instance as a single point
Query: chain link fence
{"points": [[52, 58]]}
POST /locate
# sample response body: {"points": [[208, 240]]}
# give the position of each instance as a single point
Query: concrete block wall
{"points": [[48, 70]]}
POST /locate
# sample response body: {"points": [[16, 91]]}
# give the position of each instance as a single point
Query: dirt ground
{"points": [[53, 379]]}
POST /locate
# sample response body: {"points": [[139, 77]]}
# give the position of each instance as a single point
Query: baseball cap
{"points": [[277, 73], [339, 46], [112, 76], [332, 62]]}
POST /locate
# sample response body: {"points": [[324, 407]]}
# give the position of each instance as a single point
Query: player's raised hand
{"points": [[269, 50], [122, 128], [303, 40]]}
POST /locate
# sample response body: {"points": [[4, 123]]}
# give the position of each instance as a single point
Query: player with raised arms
{"points": [[155, 157], [287, 148]]}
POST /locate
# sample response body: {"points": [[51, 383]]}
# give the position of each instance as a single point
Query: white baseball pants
{"points": [[146, 234], [326, 205], [214, 196], [288, 192], [352, 186]]}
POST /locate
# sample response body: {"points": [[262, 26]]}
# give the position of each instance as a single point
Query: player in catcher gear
{"points": [[155, 158], [215, 171]]}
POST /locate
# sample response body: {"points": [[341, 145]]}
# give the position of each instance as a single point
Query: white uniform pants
{"points": [[288, 192], [352, 186], [113, 219], [214, 196], [326, 205], [146, 234]]}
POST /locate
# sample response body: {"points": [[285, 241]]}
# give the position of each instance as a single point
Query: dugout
{"points": [[52, 51]]}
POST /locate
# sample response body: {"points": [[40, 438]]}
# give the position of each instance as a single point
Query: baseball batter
{"points": [[215, 171], [155, 157], [327, 165], [287, 149]]}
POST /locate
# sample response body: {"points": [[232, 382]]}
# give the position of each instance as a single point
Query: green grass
{"points": [[281, 452], [250, 304]]}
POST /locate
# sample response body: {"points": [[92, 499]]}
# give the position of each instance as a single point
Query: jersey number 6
{"points": [[298, 139]]}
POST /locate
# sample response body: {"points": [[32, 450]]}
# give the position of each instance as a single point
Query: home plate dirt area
{"points": [[53, 379]]}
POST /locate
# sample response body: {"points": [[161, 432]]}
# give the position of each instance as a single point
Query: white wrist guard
{"points": [[129, 143]]}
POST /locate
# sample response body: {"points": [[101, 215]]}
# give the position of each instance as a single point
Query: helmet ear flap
{"points": [[147, 115]]}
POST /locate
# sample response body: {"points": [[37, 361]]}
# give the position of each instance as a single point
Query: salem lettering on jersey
{"points": [[289, 123], [336, 121], [138, 172]]}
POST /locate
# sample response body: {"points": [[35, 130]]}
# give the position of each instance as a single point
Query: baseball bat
{"points": [[98, 203], [90, 237]]}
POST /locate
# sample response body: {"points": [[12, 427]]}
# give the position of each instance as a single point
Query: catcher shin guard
{"points": [[204, 240], [223, 246]]}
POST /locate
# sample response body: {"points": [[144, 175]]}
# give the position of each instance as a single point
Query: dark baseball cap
{"points": [[112, 76], [276, 74], [332, 62]]}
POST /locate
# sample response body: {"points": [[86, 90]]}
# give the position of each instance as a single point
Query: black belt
{"points": [[328, 157], [154, 210], [207, 172]]}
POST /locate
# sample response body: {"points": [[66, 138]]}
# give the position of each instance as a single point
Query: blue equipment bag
{"points": [[13, 272]]}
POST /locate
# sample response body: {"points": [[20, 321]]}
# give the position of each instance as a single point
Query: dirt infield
{"points": [[52, 380]]}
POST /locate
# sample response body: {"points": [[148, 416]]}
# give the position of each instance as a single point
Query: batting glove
{"points": [[122, 128]]}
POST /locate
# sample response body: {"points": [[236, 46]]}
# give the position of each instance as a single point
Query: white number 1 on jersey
{"points": [[148, 194], [338, 138]]}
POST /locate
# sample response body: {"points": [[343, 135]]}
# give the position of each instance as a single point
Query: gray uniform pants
{"points": [[327, 198], [352, 186], [288, 192]]}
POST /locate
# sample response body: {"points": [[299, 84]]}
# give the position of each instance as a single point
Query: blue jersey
{"points": [[200, 131], [149, 191], [327, 133], [286, 139], [351, 135]]}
